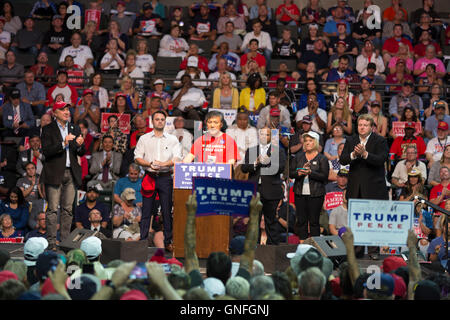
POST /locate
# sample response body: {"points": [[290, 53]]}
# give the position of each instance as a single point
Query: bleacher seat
{"points": [[53, 60], [168, 66], [205, 45], [275, 63], [153, 45], [26, 59], [42, 25]]}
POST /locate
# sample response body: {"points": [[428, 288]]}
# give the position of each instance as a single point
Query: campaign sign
{"points": [[223, 196], [380, 222], [124, 121], [93, 15], [398, 128], [229, 115], [184, 172], [333, 200]]}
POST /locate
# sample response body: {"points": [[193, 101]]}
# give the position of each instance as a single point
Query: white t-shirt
{"points": [[315, 127], [194, 97], [136, 73], [436, 148], [264, 41], [67, 93], [80, 54], [144, 62], [113, 65], [5, 37]]}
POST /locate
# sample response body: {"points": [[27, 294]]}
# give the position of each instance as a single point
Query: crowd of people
{"points": [[304, 84]]}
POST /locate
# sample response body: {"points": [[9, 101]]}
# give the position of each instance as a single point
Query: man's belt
{"points": [[159, 174]]}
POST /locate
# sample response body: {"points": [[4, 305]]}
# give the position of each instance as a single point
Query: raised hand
{"points": [[191, 204]]}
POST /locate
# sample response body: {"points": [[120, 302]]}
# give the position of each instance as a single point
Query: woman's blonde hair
{"points": [[443, 153], [144, 42], [225, 74], [346, 109], [117, 23], [124, 79], [2, 217], [316, 144], [408, 53], [88, 25]]}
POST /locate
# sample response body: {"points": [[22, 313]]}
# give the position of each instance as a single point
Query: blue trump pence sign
{"points": [[380, 222], [223, 196]]}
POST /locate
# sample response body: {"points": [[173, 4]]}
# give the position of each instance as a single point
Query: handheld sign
{"points": [[184, 172], [380, 222], [398, 128], [124, 122], [223, 196], [333, 200]]}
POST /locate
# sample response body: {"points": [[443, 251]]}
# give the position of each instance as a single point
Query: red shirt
{"points": [[292, 9], [391, 45], [202, 64], [133, 136], [436, 192], [217, 150], [400, 144], [260, 60], [420, 48], [392, 79]]}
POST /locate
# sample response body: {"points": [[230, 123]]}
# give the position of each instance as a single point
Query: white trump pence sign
{"points": [[380, 222]]}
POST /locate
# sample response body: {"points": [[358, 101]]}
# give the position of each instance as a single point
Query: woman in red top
{"points": [[214, 146], [287, 14]]}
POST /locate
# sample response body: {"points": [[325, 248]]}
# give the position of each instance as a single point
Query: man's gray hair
{"points": [[261, 286], [134, 166], [213, 114], [238, 287], [258, 268], [311, 283]]}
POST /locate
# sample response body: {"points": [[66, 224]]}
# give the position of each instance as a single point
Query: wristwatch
{"points": [[110, 284]]}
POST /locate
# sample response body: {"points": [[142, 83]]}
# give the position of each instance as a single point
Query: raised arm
{"points": [[191, 259], [413, 264], [347, 238]]}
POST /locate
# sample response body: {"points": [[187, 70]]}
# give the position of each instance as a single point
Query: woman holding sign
{"points": [[310, 171]]}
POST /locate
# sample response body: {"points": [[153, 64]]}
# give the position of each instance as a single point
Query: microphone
{"points": [[432, 205]]}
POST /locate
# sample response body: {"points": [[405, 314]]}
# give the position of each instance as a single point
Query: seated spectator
{"points": [[74, 72], [433, 124], [440, 193], [331, 26], [231, 63], [177, 18], [425, 25], [225, 96], [115, 32], [125, 21], [405, 97], [388, 26], [241, 8], [371, 74], [318, 56], [339, 217], [389, 13], [400, 76], [131, 180], [402, 54], [144, 60], [193, 70], [343, 92], [18, 117], [173, 45], [281, 111], [82, 211], [42, 69], [204, 25], [234, 41], [342, 36], [287, 96], [422, 43], [120, 139], [57, 37], [391, 45], [342, 71], [287, 14], [126, 217], [340, 52], [380, 121], [88, 144], [369, 55], [101, 97], [11, 72], [43, 9], [264, 41], [363, 31], [216, 9], [12, 21], [131, 69], [40, 229], [231, 15], [433, 177], [33, 154], [439, 141], [312, 87], [193, 51], [148, 24], [407, 165], [431, 78], [400, 144], [436, 95], [430, 58], [319, 121], [7, 229], [105, 165], [89, 111], [152, 107], [414, 186], [285, 48], [5, 39], [253, 54], [436, 249], [158, 91], [339, 114], [268, 25], [141, 128], [253, 14], [113, 59], [365, 98], [32, 93], [82, 54], [69, 93], [96, 222], [331, 145], [253, 96], [245, 135], [62, 11], [313, 13], [131, 94], [188, 100], [17, 209]]}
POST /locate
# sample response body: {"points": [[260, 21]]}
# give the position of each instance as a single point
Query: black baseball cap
{"points": [[92, 188], [15, 93]]}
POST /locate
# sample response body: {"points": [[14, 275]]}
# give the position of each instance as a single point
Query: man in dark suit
{"points": [[265, 163], [18, 117], [62, 142], [366, 153], [34, 154], [8, 159]]}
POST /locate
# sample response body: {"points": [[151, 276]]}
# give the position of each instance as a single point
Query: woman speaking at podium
{"points": [[214, 146]]}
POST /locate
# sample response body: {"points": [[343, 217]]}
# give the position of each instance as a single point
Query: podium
{"points": [[212, 232]]}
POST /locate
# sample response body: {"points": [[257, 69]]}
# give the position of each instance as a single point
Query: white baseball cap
{"points": [[192, 61], [214, 287], [92, 246], [312, 134], [32, 249], [301, 250]]}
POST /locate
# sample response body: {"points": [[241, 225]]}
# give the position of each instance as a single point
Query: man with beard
{"points": [[82, 211], [433, 122], [41, 230], [133, 181]]}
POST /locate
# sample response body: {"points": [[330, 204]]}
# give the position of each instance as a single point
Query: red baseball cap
{"points": [[148, 186], [341, 42], [392, 263], [59, 105], [121, 94], [343, 80], [341, 24], [443, 125], [410, 125], [88, 91], [275, 112]]}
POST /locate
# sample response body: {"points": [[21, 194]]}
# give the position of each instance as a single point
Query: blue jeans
{"points": [[32, 50]]}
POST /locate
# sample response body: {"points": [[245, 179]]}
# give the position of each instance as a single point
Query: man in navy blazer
{"points": [[20, 125]]}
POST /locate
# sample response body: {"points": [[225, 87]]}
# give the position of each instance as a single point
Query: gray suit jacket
{"points": [[95, 167]]}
